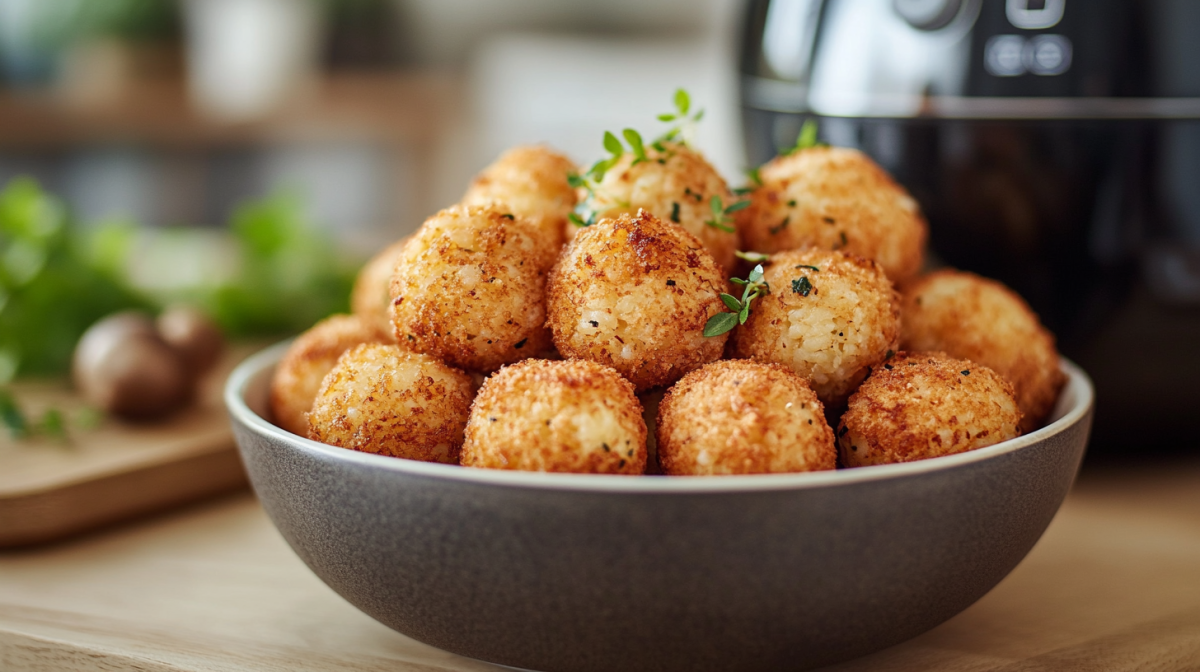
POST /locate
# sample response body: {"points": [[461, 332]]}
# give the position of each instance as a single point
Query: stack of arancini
{"points": [[485, 340]]}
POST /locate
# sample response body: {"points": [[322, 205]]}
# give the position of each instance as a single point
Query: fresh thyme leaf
{"points": [[742, 191], [773, 230], [802, 286], [807, 139], [576, 220], [675, 211], [575, 181], [757, 274], [683, 102], [740, 205], [720, 215], [508, 215], [666, 117], [738, 281], [755, 176], [731, 302], [752, 256], [719, 324], [635, 142], [744, 314], [807, 266], [698, 115], [612, 144], [52, 424]]}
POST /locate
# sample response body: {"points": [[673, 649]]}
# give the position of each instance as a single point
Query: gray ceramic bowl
{"points": [[580, 572]]}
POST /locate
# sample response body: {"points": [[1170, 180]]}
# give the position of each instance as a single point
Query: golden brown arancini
{"points": [[386, 400], [371, 295], [743, 417], [470, 289], [921, 405], [532, 181], [835, 198], [982, 320], [829, 317], [300, 372], [568, 416], [675, 185], [634, 293]]}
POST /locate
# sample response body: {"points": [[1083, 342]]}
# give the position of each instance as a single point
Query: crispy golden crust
{"points": [[470, 289], [921, 405], [567, 416], [814, 197], [846, 324], [299, 373], [684, 179], [532, 181], [634, 293], [743, 417], [371, 295], [982, 320], [383, 399]]}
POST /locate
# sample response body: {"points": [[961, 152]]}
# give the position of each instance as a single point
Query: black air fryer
{"points": [[1053, 145]]}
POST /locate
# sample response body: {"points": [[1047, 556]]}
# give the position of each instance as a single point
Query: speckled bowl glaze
{"points": [[578, 572]]}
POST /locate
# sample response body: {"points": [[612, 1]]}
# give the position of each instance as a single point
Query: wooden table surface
{"points": [[1113, 585]]}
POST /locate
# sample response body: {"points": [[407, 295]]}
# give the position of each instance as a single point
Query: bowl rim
{"points": [[1078, 387]]}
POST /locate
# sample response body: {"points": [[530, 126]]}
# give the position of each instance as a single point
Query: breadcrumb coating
{"points": [[386, 400], [532, 182], [470, 289], [676, 185], [982, 320], [922, 405], [299, 373], [830, 317], [371, 295], [565, 416], [743, 417], [835, 198], [634, 293]]}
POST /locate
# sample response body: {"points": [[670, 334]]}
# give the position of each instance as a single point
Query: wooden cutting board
{"points": [[52, 488]]}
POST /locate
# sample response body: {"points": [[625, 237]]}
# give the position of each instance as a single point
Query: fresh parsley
{"points": [[753, 286]]}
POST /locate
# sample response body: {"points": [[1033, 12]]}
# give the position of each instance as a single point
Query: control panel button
{"points": [[1035, 14], [1048, 55], [1004, 56]]}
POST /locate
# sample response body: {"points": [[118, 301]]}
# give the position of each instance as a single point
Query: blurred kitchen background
{"points": [[205, 148]]}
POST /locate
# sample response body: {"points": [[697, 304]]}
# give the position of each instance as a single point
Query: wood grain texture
{"points": [[1113, 585], [50, 489]]}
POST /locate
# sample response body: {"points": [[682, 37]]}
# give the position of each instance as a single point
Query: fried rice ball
{"points": [[532, 181], [982, 320], [567, 416], [470, 289], [384, 399], [835, 198], [829, 317], [299, 374], [922, 405], [743, 417], [676, 185], [634, 293], [371, 296]]}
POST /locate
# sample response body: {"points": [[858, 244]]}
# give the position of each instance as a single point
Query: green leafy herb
{"points": [[752, 257], [685, 123], [807, 138], [675, 211], [775, 230], [807, 266], [53, 424], [755, 182], [739, 309], [722, 215], [802, 286], [12, 416]]}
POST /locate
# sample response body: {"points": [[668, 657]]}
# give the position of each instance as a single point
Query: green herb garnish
{"points": [[12, 416], [802, 286], [807, 266], [721, 214], [775, 230], [752, 257], [806, 139], [739, 310], [685, 124]]}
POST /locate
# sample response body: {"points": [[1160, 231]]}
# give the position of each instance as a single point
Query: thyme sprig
{"points": [[739, 309], [685, 127], [722, 215], [806, 139]]}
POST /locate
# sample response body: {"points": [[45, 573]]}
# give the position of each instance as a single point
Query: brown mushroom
{"points": [[122, 366], [191, 334]]}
